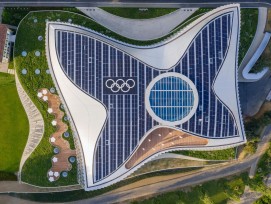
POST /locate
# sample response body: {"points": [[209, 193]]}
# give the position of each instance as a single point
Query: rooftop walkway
{"points": [[146, 29], [60, 161]]}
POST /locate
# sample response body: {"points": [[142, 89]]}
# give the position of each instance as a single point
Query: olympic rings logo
{"points": [[120, 85]]}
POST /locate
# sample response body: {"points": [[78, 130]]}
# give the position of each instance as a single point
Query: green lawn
{"points": [[36, 167], [225, 154], [249, 21], [135, 13], [14, 126]]}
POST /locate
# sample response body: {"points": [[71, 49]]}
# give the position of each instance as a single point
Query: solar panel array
{"points": [[171, 98], [89, 63]]}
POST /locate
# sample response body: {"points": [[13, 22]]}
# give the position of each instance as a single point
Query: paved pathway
{"points": [[4, 67], [11, 71], [60, 161], [146, 29], [36, 124], [259, 35]]}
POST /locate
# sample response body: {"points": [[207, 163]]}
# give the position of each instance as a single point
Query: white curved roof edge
{"points": [[93, 115], [225, 85], [87, 114], [256, 76], [122, 172], [169, 51]]}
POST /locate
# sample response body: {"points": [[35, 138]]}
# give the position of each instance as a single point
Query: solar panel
{"points": [[119, 81]]}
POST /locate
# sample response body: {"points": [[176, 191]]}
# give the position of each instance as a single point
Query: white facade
{"points": [[88, 115]]}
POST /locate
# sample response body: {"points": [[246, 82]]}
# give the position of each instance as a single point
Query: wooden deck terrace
{"points": [[60, 161], [161, 139]]}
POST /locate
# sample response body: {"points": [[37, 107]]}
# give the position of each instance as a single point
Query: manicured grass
{"points": [[36, 167], [135, 13], [225, 154], [249, 21], [14, 126]]}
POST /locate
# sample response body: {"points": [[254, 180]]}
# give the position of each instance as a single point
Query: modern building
{"points": [[130, 103], [5, 44]]}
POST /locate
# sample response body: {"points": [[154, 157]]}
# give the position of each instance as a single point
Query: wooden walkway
{"points": [[162, 139], [60, 161]]}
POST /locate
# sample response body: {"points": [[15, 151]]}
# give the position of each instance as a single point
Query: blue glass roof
{"points": [[171, 98]]}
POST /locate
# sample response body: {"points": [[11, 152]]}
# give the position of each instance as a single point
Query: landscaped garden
{"points": [[249, 22], [136, 13], [225, 154], [14, 128], [263, 61], [35, 168]]}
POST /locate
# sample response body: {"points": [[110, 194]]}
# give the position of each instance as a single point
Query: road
{"points": [[135, 3]]}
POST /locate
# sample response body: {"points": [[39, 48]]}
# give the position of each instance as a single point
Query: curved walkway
{"points": [[36, 124], [60, 161], [146, 29], [258, 38]]}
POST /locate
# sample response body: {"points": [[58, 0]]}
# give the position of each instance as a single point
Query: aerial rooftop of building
{"points": [[127, 103]]}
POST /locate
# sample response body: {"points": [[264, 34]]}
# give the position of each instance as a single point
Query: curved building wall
{"points": [[104, 85]]}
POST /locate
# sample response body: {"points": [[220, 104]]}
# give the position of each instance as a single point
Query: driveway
{"points": [[143, 29]]}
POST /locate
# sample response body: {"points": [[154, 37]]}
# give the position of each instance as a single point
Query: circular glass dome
{"points": [[171, 98]]}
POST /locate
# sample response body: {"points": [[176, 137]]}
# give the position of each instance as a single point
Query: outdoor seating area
{"points": [[61, 161], [162, 139]]}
